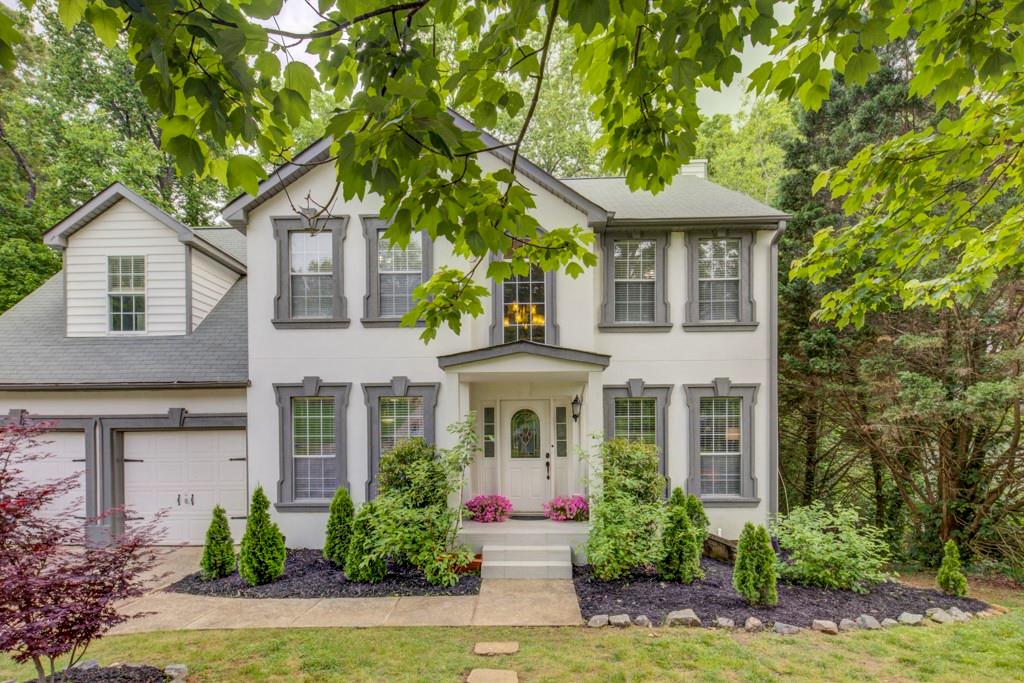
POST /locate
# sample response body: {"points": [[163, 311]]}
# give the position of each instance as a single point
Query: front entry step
{"points": [[526, 562]]}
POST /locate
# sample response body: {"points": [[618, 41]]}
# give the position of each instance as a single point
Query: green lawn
{"points": [[986, 650]]}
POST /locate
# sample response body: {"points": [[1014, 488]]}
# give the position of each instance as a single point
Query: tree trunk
{"points": [[812, 418], [23, 166]]}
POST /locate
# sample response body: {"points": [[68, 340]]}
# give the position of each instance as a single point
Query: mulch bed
{"points": [[124, 673], [713, 596], [308, 575]]}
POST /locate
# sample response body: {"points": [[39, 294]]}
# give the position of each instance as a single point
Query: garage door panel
{"points": [[65, 456], [204, 467]]}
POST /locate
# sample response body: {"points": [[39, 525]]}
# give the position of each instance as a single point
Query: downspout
{"points": [[773, 372]]}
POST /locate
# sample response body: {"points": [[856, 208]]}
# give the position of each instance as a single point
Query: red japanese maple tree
{"points": [[57, 592]]}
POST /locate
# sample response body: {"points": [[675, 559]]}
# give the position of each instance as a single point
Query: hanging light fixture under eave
{"points": [[577, 404]]}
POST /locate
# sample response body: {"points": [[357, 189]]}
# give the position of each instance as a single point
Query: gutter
{"points": [[773, 372], [121, 386]]}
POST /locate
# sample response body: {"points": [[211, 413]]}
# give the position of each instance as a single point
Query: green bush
{"points": [[362, 563], [262, 555], [951, 579], [626, 513], [339, 527], [698, 517], [756, 572], [831, 548], [414, 470], [218, 558], [681, 543]]}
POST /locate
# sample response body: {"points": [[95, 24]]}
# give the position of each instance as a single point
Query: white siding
{"points": [[124, 230], [210, 281]]}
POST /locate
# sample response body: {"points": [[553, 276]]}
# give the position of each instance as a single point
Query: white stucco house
{"points": [[183, 366]]}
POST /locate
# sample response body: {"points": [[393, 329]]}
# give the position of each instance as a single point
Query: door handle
{"points": [[179, 500], [192, 499], [547, 465]]}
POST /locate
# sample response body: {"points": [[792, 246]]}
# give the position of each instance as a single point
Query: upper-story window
{"points": [[523, 304], [126, 292], [311, 271], [310, 285], [634, 283], [719, 280], [393, 273]]}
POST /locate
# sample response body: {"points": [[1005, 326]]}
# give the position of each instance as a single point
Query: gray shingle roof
{"points": [[36, 352], [688, 198], [228, 240]]}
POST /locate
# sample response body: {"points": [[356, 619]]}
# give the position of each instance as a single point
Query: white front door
{"points": [[526, 451], [186, 472]]}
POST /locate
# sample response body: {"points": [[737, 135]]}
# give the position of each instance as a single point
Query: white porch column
{"points": [[590, 425]]}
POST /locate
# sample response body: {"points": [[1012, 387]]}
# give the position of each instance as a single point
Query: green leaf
{"points": [[106, 23], [300, 78], [70, 12], [246, 173], [187, 153]]}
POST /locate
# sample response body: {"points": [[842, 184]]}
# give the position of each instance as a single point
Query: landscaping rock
{"points": [[940, 616], [87, 664], [178, 673], [825, 626], [492, 676], [598, 621], [847, 625], [725, 622], [682, 617], [752, 624], [909, 619], [869, 622], [496, 648], [887, 622], [643, 621], [958, 614], [620, 621], [786, 629]]}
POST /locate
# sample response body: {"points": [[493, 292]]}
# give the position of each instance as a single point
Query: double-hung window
{"points": [[314, 447], [636, 419], [634, 273], [721, 453], [311, 272], [524, 310], [397, 411], [718, 280], [310, 291], [638, 412], [720, 437], [126, 293], [399, 273], [401, 418]]}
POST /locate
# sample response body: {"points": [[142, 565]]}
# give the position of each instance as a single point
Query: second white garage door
{"points": [[186, 472]]}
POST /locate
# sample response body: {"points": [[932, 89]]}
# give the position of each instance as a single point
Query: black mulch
{"points": [[124, 673], [713, 596], [308, 575]]}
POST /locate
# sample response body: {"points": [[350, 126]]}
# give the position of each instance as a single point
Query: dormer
{"points": [[132, 270]]}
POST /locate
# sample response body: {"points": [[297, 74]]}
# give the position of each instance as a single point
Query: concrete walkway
{"points": [[541, 602]]}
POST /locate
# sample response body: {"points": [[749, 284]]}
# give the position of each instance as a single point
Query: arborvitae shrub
{"points": [[951, 579], [262, 555], [339, 527], [362, 564], [755, 574], [218, 558], [698, 517], [681, 543]]}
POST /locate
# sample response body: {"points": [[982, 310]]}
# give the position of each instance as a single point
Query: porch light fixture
{"points": [[576, 405]]}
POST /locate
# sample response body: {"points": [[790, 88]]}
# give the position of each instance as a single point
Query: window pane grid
{"points": [[400, 271], [636, 419], [718, 275], [634, 276], [720, 445], [311, 264], [401, 418], [523, 307], [314, 448], [489, 432], [126, 292], [561, 433]]}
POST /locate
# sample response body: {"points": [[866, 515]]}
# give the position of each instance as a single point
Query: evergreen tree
{"points": [[362, 564], [339, 527], [262, 555], [950, 578], [698, 517], [218, 558], [756, 572], [681, 543]]}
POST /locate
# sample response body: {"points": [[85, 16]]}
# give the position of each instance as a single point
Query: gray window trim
{"points": [[282, 302], [284, 393], [371, 300], [637, 388], [662, 321], [747, 310], [497, 331], [398, 386], [723, 386]]}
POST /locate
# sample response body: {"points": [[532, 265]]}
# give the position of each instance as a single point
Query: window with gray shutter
{"points": [[634, 275], [400, 272], [718, 280], [311, 269]]}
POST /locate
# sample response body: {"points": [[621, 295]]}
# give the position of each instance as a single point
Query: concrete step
{"points": [[526, 562], [526, 552]]}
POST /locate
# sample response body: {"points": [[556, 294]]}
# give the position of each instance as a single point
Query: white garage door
{"points": [[187, 473], [65, 453]]}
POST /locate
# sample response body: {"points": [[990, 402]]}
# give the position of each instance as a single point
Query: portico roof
{"points": [[530, 348]]}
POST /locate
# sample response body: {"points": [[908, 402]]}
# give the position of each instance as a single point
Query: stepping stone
{"points": [[682, 617], [496, 648], [910, 619], [492, 676], [598, 621], [643, 621], [869, 622], [752, 624], [825, 626], [725, 622], [848, 625], [786, 629], [887, 622], [940, 616]]}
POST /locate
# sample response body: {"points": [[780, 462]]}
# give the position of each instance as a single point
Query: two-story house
{"points": [[184, 366]]}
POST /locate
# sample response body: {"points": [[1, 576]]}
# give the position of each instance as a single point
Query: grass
{"points": [[988, 650]]}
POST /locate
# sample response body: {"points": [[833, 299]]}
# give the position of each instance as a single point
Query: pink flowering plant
{"points": [[567, 509], [489, 508]]}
